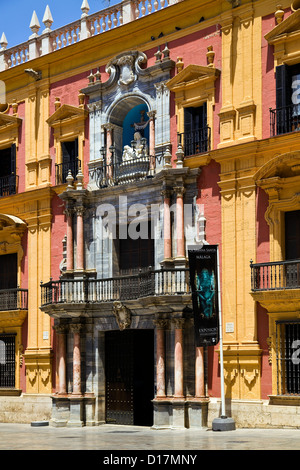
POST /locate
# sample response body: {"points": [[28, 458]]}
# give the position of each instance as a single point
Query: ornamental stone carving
{"points": [[122, 314]]}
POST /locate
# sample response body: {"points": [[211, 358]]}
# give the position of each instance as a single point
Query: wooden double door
{"points": [[129, 371]]}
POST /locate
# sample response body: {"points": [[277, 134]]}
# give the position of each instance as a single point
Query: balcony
{"points": [[151, 284], [62, 170], [284, 120], [13, 299], [278, 275], [8, 185], [13, 306], [276, 286], [195, 142]]}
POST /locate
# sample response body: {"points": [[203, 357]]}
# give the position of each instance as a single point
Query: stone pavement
{"points": [[120, 439]]}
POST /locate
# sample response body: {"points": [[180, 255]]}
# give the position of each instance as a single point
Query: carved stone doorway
{"points": [[129, 370]]}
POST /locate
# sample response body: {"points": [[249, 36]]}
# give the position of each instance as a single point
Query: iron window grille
{"points": [[288, 357], [7, 361]]}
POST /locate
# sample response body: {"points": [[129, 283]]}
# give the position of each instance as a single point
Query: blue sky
{"points": [[15, 15]]}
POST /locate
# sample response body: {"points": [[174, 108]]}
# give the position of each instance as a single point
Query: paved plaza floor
{"points": [[113, 440]]}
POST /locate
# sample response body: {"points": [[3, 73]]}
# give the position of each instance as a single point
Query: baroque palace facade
{"points": [[125, 138]]}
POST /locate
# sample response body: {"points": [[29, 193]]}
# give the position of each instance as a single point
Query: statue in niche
{"points": [[139, 147]]}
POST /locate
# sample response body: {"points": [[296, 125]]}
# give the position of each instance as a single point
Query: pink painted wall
{"points": [[20, 151], [263, 255], [209, 196], [67, 90], [268, 73], [192, 49]]}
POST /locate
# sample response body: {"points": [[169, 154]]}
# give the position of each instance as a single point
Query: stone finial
{"points": [[57, 103], [210, 56], [47, 20], [180, 156], [34, 25], [167, 158], [3, 42], [158, 55], [14, 106], [85, 8], [69, 180], [179, 64], [79, 178], [81, 99], [279, 13]]}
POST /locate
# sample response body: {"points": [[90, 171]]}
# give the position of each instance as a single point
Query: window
{"points": [[196, 132], [8, 171], [292, 235], [7, 361], [288, 357], [136, 254], [69, 150], [286, 117]]}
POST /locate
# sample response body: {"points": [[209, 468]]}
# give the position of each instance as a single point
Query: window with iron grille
{"points": [[7, 361], [288, 357], [286, 117]]}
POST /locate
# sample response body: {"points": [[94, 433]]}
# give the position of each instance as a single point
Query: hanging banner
{"points": [[204, 279]]}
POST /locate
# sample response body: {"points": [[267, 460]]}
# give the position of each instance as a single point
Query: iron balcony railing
{"points": [[285, 119], [130, 287], [275, 276], [13, 299], [8, 185], [62, 170], [196, 141]]}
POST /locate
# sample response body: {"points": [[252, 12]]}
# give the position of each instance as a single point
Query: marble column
{"points": [[76, 360], [178, 358], [167, 225], [199, 373], [180, 254], [70, 247], [80, 238], [61, 359], [151, 115], [160, 358]]}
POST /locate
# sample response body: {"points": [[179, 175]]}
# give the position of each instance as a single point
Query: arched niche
{"points": [[125, 117]]}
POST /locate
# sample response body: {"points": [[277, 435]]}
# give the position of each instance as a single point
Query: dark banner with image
{"points": [[204, 279]]}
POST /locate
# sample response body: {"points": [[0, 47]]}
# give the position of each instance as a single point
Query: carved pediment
{"points": [[8, 122], [281, 166], [287, 27], [193, 75], [66, 114]]}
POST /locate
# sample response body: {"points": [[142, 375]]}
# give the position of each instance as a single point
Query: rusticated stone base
{"points": [[180, 413], [25, 408]]}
